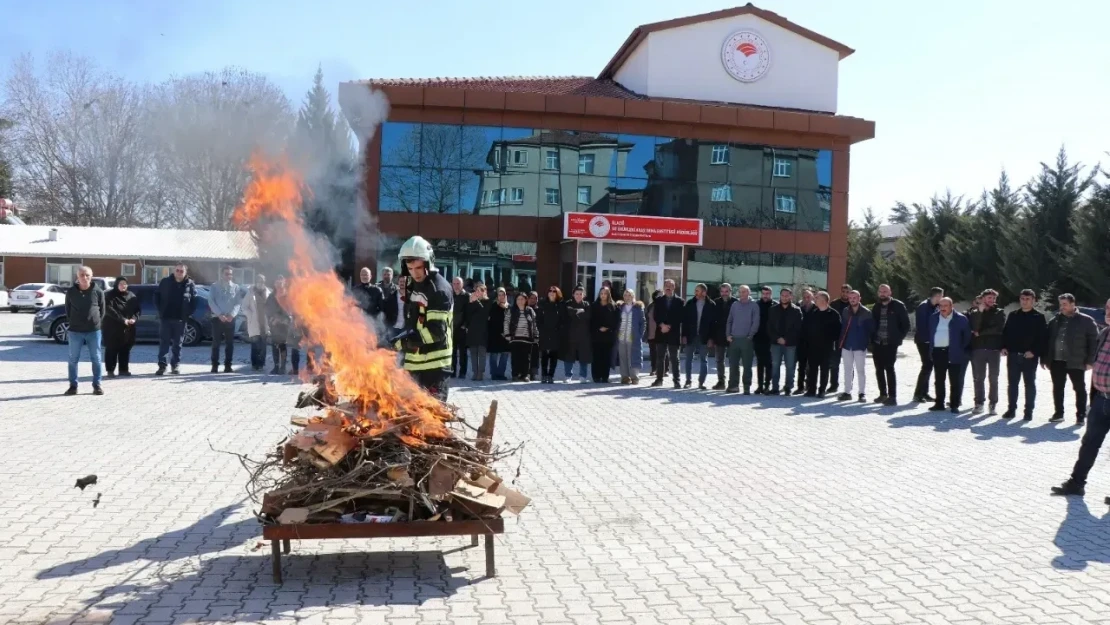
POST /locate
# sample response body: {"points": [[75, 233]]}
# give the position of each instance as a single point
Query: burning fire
{"points": [[385, 395]]}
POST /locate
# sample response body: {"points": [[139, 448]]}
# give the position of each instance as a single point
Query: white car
{"points": [[36, 296]]}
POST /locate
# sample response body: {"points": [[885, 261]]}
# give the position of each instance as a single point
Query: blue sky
{"points": [[959, 90]]}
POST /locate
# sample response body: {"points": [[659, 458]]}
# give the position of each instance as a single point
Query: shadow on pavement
{"points": [[1081, 537], [977, 424]]}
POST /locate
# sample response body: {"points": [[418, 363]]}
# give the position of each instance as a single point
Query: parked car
{"points": [[52, 322], [35, 296], [1098, 314]]}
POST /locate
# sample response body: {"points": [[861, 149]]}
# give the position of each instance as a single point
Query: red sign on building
{"points": [[632, 228]]}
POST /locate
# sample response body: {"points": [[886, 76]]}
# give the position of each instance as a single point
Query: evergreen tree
{"points": [[863, 245], [1034, 253], [922, 257], [1089, 254], [972, 249], [322, 149]]}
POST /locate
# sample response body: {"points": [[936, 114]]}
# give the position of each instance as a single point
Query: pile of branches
{"points": [[336, 470]]}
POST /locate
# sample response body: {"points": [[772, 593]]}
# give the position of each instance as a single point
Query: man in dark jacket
{"points": [[390, 307], [807, 306], [84, 312], [921, 339], [720, 334], [987, 323], [668, 319], [699, 319], [1023, 339], [892, 324], [784, 329], [176, 300], [368, 294], [1069, 351], [834, 358], [426, 340], [458, 345], [762, 343], [950, 336], [820, 331]]}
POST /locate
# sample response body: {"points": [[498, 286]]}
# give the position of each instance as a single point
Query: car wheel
{"points": [[191, 334], [60, 331], [13, 309]]}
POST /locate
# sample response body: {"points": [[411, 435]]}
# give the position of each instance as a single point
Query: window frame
{"points": [[722, 189], [512, 195], [551, 160], [514, 162], [782, 200], [589, 195], [583, 159], [548, 194], [782, 168], [722, 158], [125, 271]]}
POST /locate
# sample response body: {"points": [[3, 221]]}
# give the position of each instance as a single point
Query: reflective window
{"points": [[756, 269], [445, 168]]}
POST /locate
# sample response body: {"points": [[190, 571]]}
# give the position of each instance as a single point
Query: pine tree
{"points": [[972, 249], [1089, 254], [863, 245], [921, 249]]}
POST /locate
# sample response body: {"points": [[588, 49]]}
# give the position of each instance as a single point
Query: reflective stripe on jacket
{"points": [[430, 347]]}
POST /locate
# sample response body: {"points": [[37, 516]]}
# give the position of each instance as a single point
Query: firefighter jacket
{"points": [[426, 340]]}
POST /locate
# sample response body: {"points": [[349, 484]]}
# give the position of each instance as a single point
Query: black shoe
{"points": [[956, 410], [810, 395], [677, 385], [773, 391], [227, 369], [1009, 414], [844, 397], [928, 397], [719, 386], [110, 374], [1027, 417], [890, 401], [862, 399], [1069, 488], [918, 399], [799, 391], [1056, 418], [71, 391], [160, 371], [657, 383], [275, 370], [731, 390], [687, 385], [759, 390], [97, 390], [1079, 421], [175, 371], [747, 391], [125, 374], [215, 368], [936, 407], [881, 399], [833, 389]]}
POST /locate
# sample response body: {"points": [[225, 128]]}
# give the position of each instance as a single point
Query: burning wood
{"points": [[345, 469]]}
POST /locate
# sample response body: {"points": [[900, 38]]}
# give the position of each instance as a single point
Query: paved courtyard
{"points": [[650, 506]]}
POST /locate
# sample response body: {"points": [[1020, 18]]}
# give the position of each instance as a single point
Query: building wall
{"points": [[686, 63], [785, 129], [23, 269]]}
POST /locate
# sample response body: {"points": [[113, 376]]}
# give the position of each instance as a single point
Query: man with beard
{"points": [[857, 329], [426, 339], [762, 343], [820, 330], [668, 312], [390, 310], [1022, 345], [987, 323], [892, 324], [950, 337], [834, 359]]}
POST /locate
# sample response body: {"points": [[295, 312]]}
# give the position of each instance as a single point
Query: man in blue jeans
{"points": [[175, 299], [1023, 339], [784, 328], [85, 311], [699, 318]]}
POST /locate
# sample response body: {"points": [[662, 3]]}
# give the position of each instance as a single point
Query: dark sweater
{"points": [[1024, 332], [989, 324], [84, 309], [764, 317]]}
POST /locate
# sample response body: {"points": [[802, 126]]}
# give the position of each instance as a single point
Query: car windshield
{"points": [[29, 287]]}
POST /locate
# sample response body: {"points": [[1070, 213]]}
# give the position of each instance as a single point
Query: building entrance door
{"points": [[642, 280]]}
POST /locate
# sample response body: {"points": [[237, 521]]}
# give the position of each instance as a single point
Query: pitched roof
{"points": [[546, 85], [84, 242], [641, 32]]}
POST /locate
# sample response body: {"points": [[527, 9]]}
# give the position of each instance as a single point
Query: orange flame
{"points": [[386, 396]]}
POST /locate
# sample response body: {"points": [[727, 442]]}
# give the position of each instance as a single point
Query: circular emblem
{"points": [[746, 56], [599, 227]]}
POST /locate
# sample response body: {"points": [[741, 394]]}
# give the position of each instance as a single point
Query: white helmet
{"points": [[418, 248]]}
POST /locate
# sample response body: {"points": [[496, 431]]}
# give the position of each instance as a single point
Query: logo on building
{"points": [[746, 56], [599, 227]]}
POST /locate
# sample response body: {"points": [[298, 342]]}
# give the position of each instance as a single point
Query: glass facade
{"points": [[756, 269], [508, 264], [534, 172]]}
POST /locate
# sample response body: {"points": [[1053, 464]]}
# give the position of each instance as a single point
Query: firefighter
{"points": [[426, 339]]}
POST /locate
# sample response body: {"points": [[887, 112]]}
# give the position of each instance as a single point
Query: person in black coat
{"points": [[699, 318], [762, 343], [497, 345], [1023, 339], [820, 332], [476, 319], [576, 332], [121, 313], [458, 328], [892, 324], [604, 322], [784, 329], [667, 311], [550, 320], [534, 358]]}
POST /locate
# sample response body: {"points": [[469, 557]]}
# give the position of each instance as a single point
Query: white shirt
{"points": [[940, 339], [400, 323]]}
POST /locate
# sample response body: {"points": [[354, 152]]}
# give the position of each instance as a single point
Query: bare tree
{"points": [[77, 142], [205, 129], [446, 156]]}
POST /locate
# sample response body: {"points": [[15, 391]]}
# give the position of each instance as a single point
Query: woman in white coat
{"points": [[254, 309]]}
